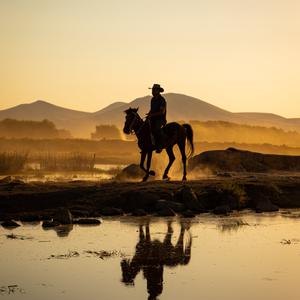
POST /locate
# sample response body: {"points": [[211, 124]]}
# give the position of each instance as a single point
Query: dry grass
{"points": [[11, 162], [67, 162]]}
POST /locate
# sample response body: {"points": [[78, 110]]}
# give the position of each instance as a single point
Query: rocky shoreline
{"points": [[83, 200]]}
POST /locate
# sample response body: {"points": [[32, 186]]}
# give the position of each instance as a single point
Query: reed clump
{"points": [[11, 162], [67, 162]]}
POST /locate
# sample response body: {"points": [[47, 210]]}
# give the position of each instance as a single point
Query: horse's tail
{"points": [[190, 138]]}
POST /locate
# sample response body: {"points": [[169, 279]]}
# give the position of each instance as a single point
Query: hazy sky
{"points": [[240, 55]]}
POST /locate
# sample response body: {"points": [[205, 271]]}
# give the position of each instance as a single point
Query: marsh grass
{"points": [[236, 191], [67, 162], [11, 162]]}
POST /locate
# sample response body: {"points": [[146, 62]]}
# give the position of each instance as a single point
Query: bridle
{"points": [[130, 127]]}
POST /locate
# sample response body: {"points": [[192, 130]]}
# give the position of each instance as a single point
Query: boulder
{"points": [[222, 210], [166, 212], [131, 172], [139, 200], [30, 218], [235, 160], [63, 216], [266, 206], [188, 198], [88, 221], [139, 212], [5, 180], [50, 224], [111, 211], [79, 212], [188, 214], [10, 224], [175, 206]]}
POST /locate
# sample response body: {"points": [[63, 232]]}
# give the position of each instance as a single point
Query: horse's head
{"points": [[130, 119]]}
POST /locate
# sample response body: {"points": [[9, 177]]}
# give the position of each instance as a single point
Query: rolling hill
{"points": [[180, 107]]}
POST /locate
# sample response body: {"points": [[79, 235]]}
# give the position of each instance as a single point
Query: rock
{"points": [[188, 214], [5, 180], [131, 172], [166, 212], [262, 196], [10, 224], [161, 204], [63, 230], [187, 196], [139, 200], [16, 182], [222, 210], [111, 211], [175, 206], [88, 221], [30, 218], [235, 160], [139, 212], [63, 216], [266, 206], [79, 212], [50, 224]]}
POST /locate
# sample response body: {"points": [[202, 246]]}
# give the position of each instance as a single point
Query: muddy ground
{"points": [[220, 195]]}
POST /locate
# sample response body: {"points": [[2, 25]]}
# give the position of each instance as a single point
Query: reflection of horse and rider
{"points": [[152, 255], [156, 134]]}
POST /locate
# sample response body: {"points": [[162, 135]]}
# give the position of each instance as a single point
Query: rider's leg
{"points": [[157, 133]]}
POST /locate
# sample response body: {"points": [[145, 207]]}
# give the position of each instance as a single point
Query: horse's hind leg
{"points": [[171, 160], [181, 146], [148, 172]]}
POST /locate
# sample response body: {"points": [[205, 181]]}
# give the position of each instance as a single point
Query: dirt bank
{"points": [[237, 160], [221, 195]]}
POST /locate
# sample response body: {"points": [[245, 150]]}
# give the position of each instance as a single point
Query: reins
{"points": [[131, 130]]}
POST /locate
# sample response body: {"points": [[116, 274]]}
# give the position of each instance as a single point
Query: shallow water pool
{"points": [[245, 256]]}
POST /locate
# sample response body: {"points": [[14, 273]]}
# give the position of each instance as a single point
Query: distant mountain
{"points": [[73, 120], [180, 107], [38, 109]]}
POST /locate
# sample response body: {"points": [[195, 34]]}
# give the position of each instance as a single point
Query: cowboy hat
{"points": [[157, 86]]}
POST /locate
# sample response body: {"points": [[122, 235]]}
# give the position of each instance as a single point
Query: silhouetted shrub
{"points": [[34, 129], [109, 132]]}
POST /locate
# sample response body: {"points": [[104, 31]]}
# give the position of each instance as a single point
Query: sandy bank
{"points": [[220, 195]]}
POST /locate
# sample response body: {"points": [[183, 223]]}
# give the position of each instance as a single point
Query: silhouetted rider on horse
{"points": [[166, 135], [157, 115]]}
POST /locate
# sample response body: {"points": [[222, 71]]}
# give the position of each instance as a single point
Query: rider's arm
{"points": [[161, 112]]}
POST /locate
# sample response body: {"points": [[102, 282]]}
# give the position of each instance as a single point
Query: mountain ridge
{"points": [[180, 107]]}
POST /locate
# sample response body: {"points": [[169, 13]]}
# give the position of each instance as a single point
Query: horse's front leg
{"points": [[148, 172], [143, 157]]}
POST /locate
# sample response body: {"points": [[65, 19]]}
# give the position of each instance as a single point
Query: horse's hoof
{"points": [[152, 173], [145, 178], [166, 178]]}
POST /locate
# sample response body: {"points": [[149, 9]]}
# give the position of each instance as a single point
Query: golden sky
{"points": [[240, 55]]}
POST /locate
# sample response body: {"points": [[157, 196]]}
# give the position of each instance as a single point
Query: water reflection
{"points": [[230, 225], [152, 255], [61, 230]]}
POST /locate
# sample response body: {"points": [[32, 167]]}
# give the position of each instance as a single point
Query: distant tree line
{"points": [[227, 132], [45, 129], [107, 132]]}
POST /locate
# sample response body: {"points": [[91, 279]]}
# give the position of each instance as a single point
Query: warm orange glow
{"points": [[239, 55]]}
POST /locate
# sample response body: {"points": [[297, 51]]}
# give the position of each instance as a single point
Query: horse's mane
{"points": [[130, 110]]}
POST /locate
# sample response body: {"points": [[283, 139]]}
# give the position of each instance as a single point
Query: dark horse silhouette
{"points": [[173, 133], [151, 257]]}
